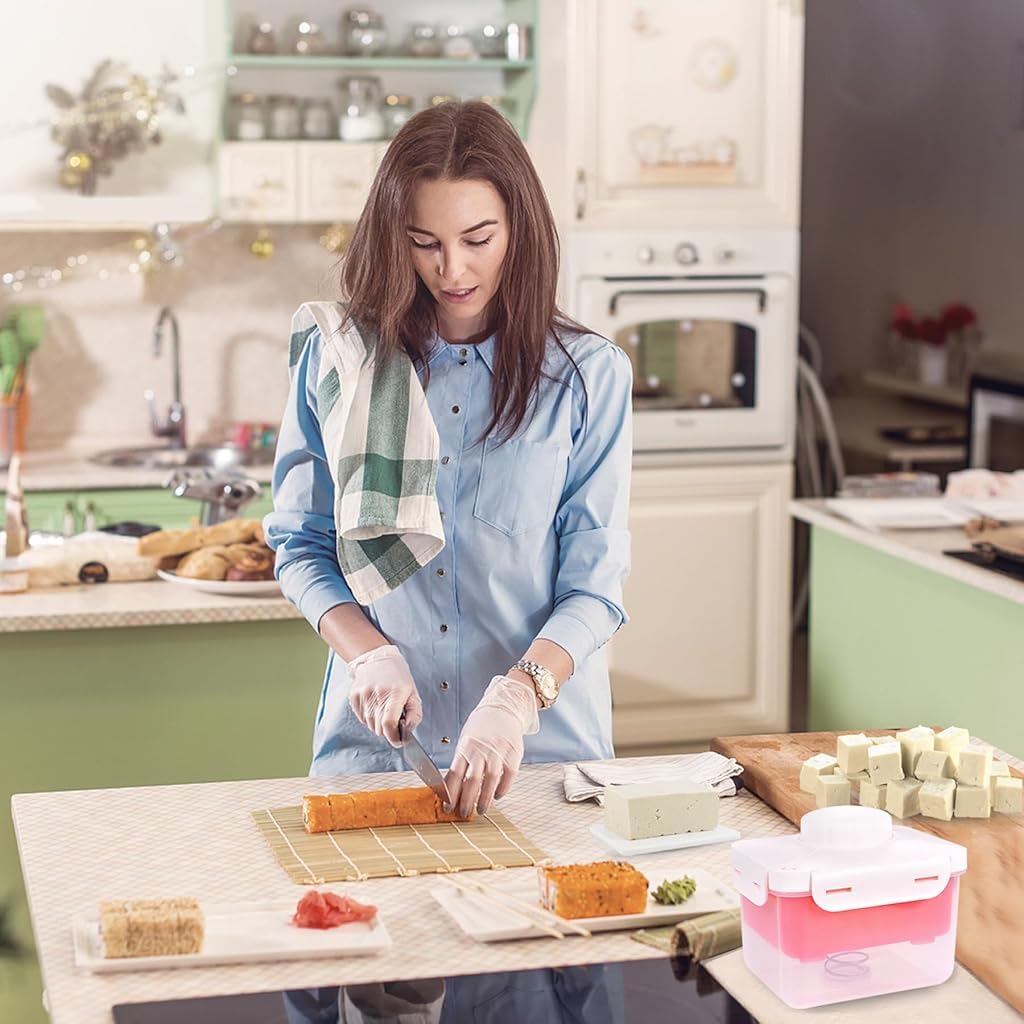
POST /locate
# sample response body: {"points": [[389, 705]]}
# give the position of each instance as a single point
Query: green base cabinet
{"points": [[99, 708], [893, 644]]}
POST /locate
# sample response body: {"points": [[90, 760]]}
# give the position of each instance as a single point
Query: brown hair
{"points": [[459, 142]]}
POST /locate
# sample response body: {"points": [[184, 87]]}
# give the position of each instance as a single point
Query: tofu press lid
{"points": [[847, 858]]}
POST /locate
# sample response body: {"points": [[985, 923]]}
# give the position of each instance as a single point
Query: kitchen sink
{"points": [[200, 457]]}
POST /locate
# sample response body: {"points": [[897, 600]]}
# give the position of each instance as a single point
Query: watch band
{"points": [[545, 684]]}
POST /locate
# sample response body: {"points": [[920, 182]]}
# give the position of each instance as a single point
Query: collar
{"points": [[485, 349]]}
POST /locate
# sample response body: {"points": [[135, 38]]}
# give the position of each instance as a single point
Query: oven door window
{"points": [[691, 363]]}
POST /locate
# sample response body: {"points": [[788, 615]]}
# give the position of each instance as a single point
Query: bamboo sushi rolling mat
{"points": [[488, 841]]}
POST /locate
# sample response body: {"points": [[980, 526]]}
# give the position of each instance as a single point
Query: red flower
{"points": [[903, 321], [931, 331], [957, 316]]}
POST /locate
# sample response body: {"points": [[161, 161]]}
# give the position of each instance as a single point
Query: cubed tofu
{"points": [[936, 798], [952, 741], [820, 764], [852, 753], [885, 763], [912, 743], [999, 770], [902, 798], [975, 766], [1008, 795], [872, 796], [932, 765], [832, 790], [972, 802]]}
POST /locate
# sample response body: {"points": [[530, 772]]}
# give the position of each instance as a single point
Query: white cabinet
{"points": [[706, 650], [689, 112], [61, 43], [306, 182]]}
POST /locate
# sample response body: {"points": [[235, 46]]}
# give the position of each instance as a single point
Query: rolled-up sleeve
{"points": [[592, 520], [301, 527]]}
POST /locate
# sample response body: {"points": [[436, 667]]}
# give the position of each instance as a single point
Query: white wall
{"points": [[913, 182]]}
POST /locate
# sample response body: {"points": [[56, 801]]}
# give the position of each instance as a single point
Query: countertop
{"points": [[209, 847], [61, 469], [146, 603], [920, 547]]}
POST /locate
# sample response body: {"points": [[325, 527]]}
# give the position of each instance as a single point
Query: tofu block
{"points": [[873, 796], [852, 753], [952, 741], [902, 798], [972, 802], [885, 763], [649, 809], [820, 764], [975, 766], [832, 790], [936, 798], [1000, 770], [932, 765], [1007, 795], [912, 743]]}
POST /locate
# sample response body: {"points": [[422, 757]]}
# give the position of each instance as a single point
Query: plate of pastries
{"points": [[231, 557]]}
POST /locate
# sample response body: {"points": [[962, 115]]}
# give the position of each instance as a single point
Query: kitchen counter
{"points": [[65, 469], [901, 633], [210, 848], [145, 603]]}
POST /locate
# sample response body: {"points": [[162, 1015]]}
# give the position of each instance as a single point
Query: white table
{"points": [[83, 846]]}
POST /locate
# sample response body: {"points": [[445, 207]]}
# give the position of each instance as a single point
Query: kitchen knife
{"points": [[419, 761]]}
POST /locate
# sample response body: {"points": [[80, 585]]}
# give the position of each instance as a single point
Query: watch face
{"points": [[548, 686]]}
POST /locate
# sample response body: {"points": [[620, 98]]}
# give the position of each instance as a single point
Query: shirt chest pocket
{"points": [[520, 485]]}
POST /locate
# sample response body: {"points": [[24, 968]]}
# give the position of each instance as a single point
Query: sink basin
{"points": [[200, 457]]}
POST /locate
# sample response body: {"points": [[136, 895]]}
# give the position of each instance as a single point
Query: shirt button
{"points": [[455, 408], [445, 740], [444, 628], [440, 572], [462, 362], [444, 460], [463, 352], [444, 684]]}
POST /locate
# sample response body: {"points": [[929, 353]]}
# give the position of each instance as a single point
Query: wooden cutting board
{"points": [[990, 927]]}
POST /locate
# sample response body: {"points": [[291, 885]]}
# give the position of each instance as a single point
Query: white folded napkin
{"points": [[586, 780]]}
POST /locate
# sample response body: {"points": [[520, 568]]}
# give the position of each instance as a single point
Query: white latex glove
{"points": [[490, 748], [382, 690]]}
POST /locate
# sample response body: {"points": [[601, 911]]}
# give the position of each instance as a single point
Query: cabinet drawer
{"points": [[335, 178], [259, 181]]}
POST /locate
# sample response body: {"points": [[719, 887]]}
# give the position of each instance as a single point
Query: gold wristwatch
{"points": [[544, 682]]}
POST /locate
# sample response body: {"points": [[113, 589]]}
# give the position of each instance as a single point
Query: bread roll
{"points": [[204, 564], [164, 543], [256, 563], [231, 531]]}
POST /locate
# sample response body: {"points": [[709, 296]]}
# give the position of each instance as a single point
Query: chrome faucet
{"points": [[173, 426]]}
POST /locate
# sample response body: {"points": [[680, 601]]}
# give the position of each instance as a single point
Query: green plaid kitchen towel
{"points": [[382, 448]]}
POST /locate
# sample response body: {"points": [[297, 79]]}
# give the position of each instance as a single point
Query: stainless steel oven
{"points": [[708, 320]]}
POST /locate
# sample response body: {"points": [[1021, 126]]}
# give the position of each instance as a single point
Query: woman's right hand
{"points": [[382, 691]]}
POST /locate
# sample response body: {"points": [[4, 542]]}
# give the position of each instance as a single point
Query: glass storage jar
{"points": [[458, 43], [283, 117], [363, 33], [318, 119], [247, 117], [491, 41], [305, 38], [398, 108], [423, 41], [360, 118], [261, 38]]}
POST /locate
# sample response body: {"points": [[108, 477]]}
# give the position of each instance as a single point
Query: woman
{"points": [[453, 265]]}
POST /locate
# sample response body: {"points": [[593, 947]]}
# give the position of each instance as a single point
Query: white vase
{"points": [[931, 365]]}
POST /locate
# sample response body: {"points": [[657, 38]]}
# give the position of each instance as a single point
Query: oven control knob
{"points": [[725, 254], [686, 254], [645, 254]]}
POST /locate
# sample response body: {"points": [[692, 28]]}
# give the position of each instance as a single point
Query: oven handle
{"points": [[762, 295]]}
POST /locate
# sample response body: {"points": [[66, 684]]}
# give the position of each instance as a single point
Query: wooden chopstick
{"points": [[537, 916]]}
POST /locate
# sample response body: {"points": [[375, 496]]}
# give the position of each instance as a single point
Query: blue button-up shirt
{"points": [[536, 545]]}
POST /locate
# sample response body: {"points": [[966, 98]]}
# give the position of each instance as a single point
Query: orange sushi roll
{"points": [[379, 808]]}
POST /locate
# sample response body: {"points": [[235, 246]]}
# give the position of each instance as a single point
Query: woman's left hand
{"points": [[490, 748]]}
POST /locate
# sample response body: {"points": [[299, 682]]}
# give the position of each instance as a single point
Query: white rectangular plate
{"points": [[485, 920], [659, 844], [900, 513], [239, 933]]}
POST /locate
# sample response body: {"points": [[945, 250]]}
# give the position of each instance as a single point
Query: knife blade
{"points": [[419, 761]]}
